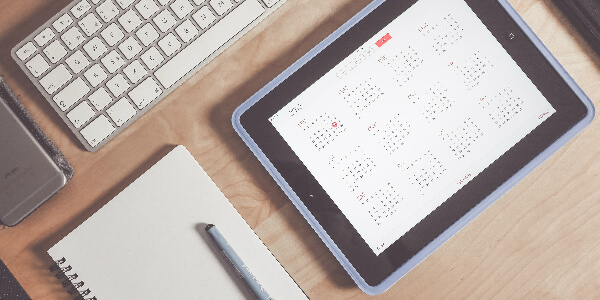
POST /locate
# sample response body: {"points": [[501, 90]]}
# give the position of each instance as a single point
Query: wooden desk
{"points": [[541, 239]]}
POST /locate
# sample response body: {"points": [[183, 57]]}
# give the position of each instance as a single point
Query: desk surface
{"points": [[541, 239]]}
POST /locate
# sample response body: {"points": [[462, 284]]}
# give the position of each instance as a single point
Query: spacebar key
{"points": [[209, 42]]}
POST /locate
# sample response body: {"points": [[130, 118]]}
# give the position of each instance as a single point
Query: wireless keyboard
{"points": [[103, 63]]}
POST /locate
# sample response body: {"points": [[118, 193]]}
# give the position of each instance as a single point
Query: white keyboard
{"points": [[103, 63]]}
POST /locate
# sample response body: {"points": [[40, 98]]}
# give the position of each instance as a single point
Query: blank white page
{"points": [[149, 241]]}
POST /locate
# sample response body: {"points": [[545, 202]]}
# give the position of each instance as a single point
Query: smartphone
{"points": [[28, 174]]}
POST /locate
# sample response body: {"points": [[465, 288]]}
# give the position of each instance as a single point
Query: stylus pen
{"points": [[237, 262]]}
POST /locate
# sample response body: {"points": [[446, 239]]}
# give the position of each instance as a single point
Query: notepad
{"points": [[149, 242]]}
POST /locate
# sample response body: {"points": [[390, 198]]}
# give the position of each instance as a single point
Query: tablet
{"points": [[406, 123]]}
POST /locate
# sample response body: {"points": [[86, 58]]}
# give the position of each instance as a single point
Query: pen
{"points": [[237, 262]]}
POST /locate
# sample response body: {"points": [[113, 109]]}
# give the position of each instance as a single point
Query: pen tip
{"points": [[209, 226]]}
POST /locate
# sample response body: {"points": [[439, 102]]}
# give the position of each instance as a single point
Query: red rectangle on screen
{"points": [[383, 40]]}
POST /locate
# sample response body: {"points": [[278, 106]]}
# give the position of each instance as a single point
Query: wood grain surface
{"points": [[540, 240]]}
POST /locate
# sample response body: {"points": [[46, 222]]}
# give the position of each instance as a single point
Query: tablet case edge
{"points": [[463, 221]]}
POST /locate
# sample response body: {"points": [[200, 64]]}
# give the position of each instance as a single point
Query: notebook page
{"points": [[149, 241]]}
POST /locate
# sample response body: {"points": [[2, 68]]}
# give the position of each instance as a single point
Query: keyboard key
{"points": [[164, 20], [204, 17], [73, 38], [125, 3], [135, 71], [169, 44], [145, 92], [147, 34], [26, 51], [152, 58], [95, 48], [221, 6], [77, 62], [100, 99], [44, 37], [37, 65], [208, 42], [95, 75], [121, 111], [130, 21], [163, 2], [270, 3], [186, 31], [97, 130], [107, 11], [182, 8], [146, 8], [112, 61], [112, 34], [80, 9], [117, 85], [130, 48], [62, 23], [81, 114], [55, 52], [90, 24], [55, 79], [71, 94]]}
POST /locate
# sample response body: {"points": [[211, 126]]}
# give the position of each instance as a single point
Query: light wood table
{"points": [[540, 240]]}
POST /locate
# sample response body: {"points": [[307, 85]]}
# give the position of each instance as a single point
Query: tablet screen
{"points": [[410, 117]]}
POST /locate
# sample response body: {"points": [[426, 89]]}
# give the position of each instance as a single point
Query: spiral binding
{"points": [[75, 288]]}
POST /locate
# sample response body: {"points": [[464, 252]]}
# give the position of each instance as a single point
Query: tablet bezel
{"points": [[376, 273]]}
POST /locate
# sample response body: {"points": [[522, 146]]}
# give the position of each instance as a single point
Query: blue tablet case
{"points": [[449, 232]]}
